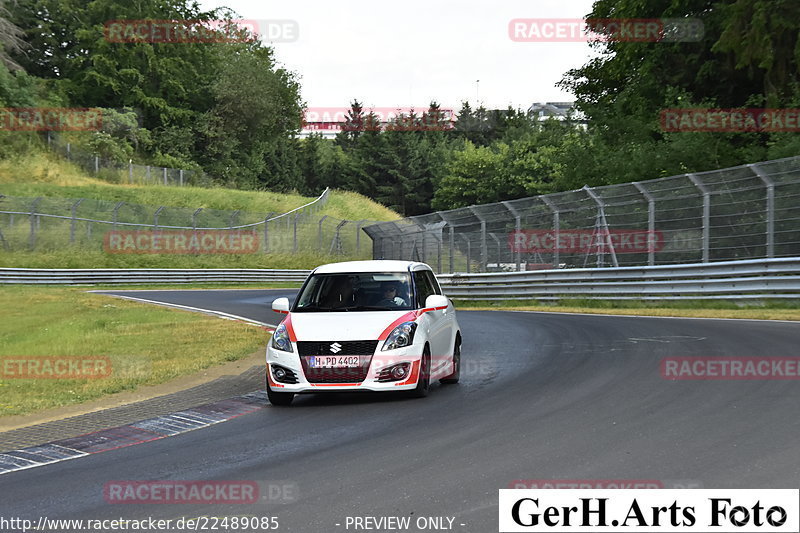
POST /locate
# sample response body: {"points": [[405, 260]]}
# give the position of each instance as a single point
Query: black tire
{"points": [[279, 399], [424, 383], [453, 378]]}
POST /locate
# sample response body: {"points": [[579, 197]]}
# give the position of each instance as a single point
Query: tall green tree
{"points": [[255, 109]]}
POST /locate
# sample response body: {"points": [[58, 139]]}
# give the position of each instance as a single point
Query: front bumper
{"points": [[379, 361]]}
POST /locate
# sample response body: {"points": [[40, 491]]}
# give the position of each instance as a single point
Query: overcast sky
{"points": [[390, 54]]}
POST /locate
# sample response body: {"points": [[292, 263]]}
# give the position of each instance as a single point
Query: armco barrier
{"points": [[133, 276], [731, 280]]}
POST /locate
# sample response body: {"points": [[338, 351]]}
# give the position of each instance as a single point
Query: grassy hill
{"points": [[46, 175], [50, 176]]}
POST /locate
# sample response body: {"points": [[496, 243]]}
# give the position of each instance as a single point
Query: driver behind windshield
{"points": [[390, 297]]}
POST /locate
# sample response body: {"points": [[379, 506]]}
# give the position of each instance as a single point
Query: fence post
{"points": [[130, 171], [319, 233], [556, 229], [651, 222], [601, 215], [359, 225], [706, 214], [424, 255], [438, 254], [194, 217], [336, 242], [484, 248], [469, 252], [452, 247], [32, 239], [493, 235], [115, 213], [266, 232], [155, 217], [294, 247], [96, 165], [69, 151], [517, 228], [147, 175], [770, 208], [74, 210], [165, 175], [180, 177]]}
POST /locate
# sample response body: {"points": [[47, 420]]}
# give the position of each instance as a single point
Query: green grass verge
{"points": [[193, 286], [78, 258], [146, 345], [767, 310]]}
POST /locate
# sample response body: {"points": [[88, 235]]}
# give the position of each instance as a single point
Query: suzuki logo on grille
{"points": [[336, 347]]}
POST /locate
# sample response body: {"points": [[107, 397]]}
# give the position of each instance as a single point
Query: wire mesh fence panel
{"points": [[51, 224], [127, 172], [745, 212]]}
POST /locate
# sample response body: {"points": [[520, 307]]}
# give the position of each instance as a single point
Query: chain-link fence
{"points": [[116, 172], [49, 224], [745, 212]]}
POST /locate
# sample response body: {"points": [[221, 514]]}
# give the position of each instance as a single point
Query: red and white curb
{"points": [[148, 430]]}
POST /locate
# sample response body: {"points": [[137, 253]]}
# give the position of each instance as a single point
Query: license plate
{"points": [[334, 361]]}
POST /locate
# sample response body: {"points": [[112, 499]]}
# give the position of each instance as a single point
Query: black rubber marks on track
{"points": [[120, 437]]}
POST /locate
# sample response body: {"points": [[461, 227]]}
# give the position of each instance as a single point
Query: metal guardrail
{"points": [[732, 280], [114, 276]]}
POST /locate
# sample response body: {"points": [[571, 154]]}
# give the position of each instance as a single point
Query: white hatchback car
{"points": [[364, 325]]}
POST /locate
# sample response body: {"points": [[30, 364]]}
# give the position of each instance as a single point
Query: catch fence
{"points": [[746, 212]]}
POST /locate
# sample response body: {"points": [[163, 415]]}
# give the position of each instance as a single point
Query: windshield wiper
{"points": [[364, 308], [314, 308]]}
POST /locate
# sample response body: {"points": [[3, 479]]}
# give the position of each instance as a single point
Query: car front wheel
{"points": [[424, 382], [280, 399]]}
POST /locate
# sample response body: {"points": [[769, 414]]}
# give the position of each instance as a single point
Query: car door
{"points": [[448, 321], [435, 322]]}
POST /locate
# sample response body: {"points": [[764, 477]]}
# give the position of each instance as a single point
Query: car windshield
{"points": [[358, 291]]}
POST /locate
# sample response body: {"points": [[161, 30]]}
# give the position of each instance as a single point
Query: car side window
{"points": [[433, 282], [424, 288]]}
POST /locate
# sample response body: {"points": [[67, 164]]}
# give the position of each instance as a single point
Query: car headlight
{"points": [[402, 335], [280, 339]]}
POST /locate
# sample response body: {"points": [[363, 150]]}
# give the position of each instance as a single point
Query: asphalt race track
{"points": [[542, 396]]}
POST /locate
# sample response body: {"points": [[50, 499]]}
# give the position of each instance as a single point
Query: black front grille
{"points": [[307, 348], [364, 349], [336, 375]]}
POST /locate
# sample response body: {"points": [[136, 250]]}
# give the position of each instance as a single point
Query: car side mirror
{"points": [[281, 305], [436, 301]]}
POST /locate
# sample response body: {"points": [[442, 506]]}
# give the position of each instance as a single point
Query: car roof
{"points": [[379, 265]]}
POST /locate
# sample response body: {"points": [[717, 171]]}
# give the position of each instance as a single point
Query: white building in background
{"points": [[545, 110]]}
